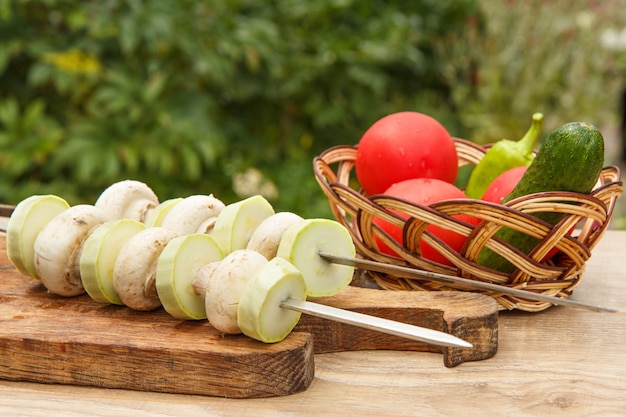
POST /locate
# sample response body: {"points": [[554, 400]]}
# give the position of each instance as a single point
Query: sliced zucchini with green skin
{"points": [[259, 313], [155, 217], [237, 222], [300, 245], [100, 251], [29, 217], [176, 270]]}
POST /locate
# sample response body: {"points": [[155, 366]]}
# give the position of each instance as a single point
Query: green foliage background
{"points": [[235, 97]]}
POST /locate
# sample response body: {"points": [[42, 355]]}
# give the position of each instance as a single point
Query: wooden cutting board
{"points": [[76, 341]]}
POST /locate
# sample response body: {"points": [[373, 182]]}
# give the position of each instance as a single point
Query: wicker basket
{"points": [[557, 276]]}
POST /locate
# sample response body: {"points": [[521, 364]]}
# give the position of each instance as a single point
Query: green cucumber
{"points": [[570, 159]]}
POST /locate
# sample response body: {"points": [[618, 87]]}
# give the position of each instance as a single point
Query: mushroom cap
{"points": [[226, 285], [127, 199], [135, 268], [59, 245]]}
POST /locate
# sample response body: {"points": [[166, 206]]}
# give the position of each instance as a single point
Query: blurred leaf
{"points": [[32, 114], [9, 113], [154, 87], [191, 163]]}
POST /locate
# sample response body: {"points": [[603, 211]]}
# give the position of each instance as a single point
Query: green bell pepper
{"points": [[502, 156]]}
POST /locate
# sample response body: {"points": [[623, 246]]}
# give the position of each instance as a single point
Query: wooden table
{"points": [[561, 362]]}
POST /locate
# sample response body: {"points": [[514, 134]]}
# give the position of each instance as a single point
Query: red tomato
{"points": [[425, 191], [503, 184], [402, 146]]}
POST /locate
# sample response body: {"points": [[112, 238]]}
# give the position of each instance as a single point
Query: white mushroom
{"points": [[58, 248], [225, 286], [194, 214], [127, 199], [134, 272], [266, 237]]}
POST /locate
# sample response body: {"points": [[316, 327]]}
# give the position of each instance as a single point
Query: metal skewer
{"points": [[391, 327], [406, 272]]}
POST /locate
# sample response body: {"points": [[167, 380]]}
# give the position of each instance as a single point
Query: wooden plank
{"points": [[469, 316], [49, 339], [75, 341]]}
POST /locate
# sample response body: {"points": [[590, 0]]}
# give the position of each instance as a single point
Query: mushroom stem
{"points": [[201, 280], [149, 289]]}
